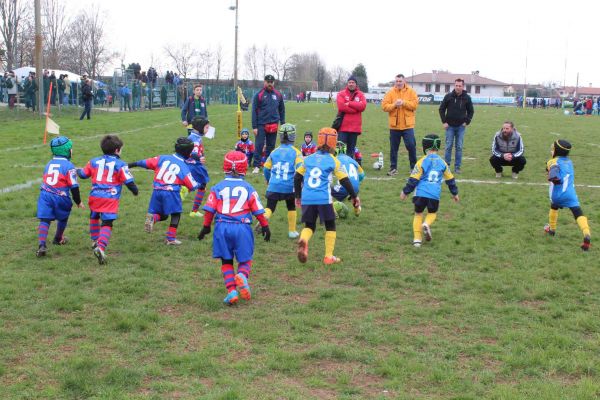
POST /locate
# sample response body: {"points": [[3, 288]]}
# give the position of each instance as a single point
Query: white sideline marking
{"points": [[21, 186], [498, 182], [554, 133]]}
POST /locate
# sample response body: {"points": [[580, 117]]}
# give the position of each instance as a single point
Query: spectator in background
{"points": [[30, 89], [124, 96], [54, 88], [351, 101], [508, 149], [87, 96], [400, 103], [2, 86], [135, 93], [46, 81], [456, 112], [11, 89], [163, 96], [589, 105], [67, 93]]}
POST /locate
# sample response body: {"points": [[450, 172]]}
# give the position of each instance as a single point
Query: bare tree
{"points": [[182, 56], [339, 76], [264, 59], [25, 49], [280, 64], [12, 12], [218, 61], [251, 59], [207, 62], [55, 28], [97, 53]]}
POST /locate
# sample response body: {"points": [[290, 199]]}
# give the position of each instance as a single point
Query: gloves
{"points": [[356, 202], [205, 231], [131, 165], [266, 233]]}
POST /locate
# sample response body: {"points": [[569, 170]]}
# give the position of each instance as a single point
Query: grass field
{"points": [[491, 308]]}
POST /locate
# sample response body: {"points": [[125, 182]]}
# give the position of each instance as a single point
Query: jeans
{"points": [[454, 136], [410, 143], [261, 138], [87, 104], [350, 140]]}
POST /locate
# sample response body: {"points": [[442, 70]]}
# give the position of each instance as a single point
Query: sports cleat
{"points": [[99, 253], [417, 243], [173, 242], [196, 214], [242, 284], [548, 230], [149, 223], [392, 172], [231, 298], [498, 174], [256, 170], [41, 251], [357, 211], [94, 244], [184, 192], [457, 171], [427, 232], [515, 175], [62, 241], [302, 250], [331, 260], [587, 242], [293, 235]]}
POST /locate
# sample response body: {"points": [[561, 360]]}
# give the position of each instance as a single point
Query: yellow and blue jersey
{"points": [[318, 170], [561, 176], [355, 173], [427, 176], [280, 167]]}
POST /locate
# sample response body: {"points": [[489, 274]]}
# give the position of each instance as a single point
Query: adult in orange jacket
{"points": [[401, 103], [351, 101]]}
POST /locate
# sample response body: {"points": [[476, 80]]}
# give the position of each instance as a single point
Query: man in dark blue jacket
{"points": [[194, 106], [268, 110]]}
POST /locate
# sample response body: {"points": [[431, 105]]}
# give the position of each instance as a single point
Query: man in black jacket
{"points": [[87, 95], [456, 112]]}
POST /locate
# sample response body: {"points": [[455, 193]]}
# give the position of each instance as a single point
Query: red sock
{"points": [[171, 233], [104, 236], [228, 276], [244, 268]]}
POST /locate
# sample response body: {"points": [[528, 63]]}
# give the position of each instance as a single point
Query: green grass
{"points": [[491, 308]]}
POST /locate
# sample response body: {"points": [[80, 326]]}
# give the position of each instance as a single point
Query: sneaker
{"points": [[427, 232], [256, 170], [417, 243], [183, 192], [99, 253], [41, 251], [498, 175], [293, 235], [515, 175], [457, 171], [61, 241], [149, 224], [392, 172], [548, 230], [94, 244], [173, 242], [331, 260], [242, 284], [587, 242], [231, 298], [302, 250], [196, 214]]}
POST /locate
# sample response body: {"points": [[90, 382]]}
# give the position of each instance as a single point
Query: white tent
{"points": [[23, 72]]}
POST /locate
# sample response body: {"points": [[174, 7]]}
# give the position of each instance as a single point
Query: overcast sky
{"points": [[388, 37]]}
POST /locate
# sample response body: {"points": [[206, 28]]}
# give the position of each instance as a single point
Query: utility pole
{"points": [[235, 57], [38, 56]]}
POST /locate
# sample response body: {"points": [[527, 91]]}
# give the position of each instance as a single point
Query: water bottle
{"points": [[380, 160]]}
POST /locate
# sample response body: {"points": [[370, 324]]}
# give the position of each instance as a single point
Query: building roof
{"points": [[447, 77], [582, 90]]}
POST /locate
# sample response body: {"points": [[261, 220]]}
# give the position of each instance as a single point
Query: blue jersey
{"points": [[562, 182], [280, 168], [60, 176], [234, 200], [318, 170], [429, 171], [170, 172], [355, 173], [196, 161], [108, 173]]}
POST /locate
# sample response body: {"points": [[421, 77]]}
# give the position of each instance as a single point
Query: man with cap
{"points": [[87, 95], [268, 110], [352, 102]]}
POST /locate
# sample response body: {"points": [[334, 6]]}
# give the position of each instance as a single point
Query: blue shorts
{"points": [[51, 206], [232, 240], [103, 216], [340, 193], [165, 202], [199, 173]]}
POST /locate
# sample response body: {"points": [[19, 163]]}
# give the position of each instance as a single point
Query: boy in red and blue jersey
{"points": [[196, 162], [108, 173], [245, 145], [54, 202], [426, 177], [171, 172], [232, 203], [308, 147]]}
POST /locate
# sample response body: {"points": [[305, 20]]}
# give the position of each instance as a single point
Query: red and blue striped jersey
{"points": [[170, 172], [308, 149], [234, 200], [246, 147], [60, 175], [198, 148], [108, 173]]}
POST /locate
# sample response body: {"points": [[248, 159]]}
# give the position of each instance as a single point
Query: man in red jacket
{"points": [[351, 101]]}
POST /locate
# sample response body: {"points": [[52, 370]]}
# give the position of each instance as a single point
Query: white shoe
{"points": [[515, 175], [293, 235], [417, 243], [149, 223], [256, 170], [498, 174], [427, 232], [100, 255], [173, 242]]}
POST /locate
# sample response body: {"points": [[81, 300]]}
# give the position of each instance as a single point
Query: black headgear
{"points": [[184, 146], [431, 141], [562, 148]]}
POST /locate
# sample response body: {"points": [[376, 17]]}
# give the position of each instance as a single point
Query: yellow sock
{"points": [[553, 219], [292, 221], [329, 243], [417, 227], [268, 213], [583, 225], [430, 218], [306, 234]]}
